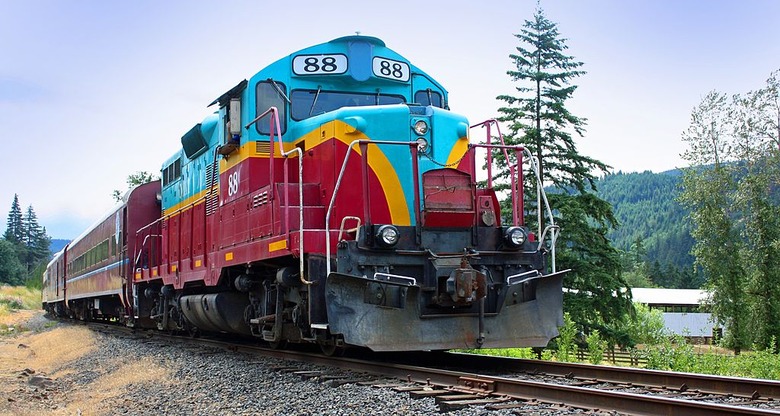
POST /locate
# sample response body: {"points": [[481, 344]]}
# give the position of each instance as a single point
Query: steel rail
{"points": [[630, 403], [721, 385]]}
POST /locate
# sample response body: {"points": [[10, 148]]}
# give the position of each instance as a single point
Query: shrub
{"points": [[567, 349], [596, 347]]}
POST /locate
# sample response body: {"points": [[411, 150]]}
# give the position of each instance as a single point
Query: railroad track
{"points": [[583, 374], [459, 381], [456, 389]]}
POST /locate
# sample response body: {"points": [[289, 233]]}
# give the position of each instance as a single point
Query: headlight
{"points": [[387, 235], [422, 145], [515, 237], [420, 127]]}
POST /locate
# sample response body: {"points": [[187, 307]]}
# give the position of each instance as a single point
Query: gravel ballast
{"points": [[146, 375]]}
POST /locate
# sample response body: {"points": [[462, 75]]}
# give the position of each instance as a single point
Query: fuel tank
{"points": [[216, 312]]}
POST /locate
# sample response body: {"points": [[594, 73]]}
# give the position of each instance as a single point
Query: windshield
{"points": [[307, 103]]}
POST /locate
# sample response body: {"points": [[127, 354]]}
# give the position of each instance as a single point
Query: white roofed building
{"points": [[682, 310]]}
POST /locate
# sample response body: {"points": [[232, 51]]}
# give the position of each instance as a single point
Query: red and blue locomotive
{"points": [[331, 199]]}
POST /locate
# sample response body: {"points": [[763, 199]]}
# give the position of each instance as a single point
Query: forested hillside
{"points": [[653, 228]]}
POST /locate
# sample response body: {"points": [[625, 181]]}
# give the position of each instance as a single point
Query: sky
{"points": [[94, 90]]}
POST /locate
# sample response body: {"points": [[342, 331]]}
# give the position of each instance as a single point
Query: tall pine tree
{"points": [[25, 248], [36, 242], [537, 118], [14, 232], [11, 271]]}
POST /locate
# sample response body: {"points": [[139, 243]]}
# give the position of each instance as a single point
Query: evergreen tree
{"points": [[36, 242], [14, 232], [28, 243], [11, 270], [538, 118]]}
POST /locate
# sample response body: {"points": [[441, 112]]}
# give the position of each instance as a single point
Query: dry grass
{"points": [[52, 353], [97, 397], [18, 297], [45, 352]]}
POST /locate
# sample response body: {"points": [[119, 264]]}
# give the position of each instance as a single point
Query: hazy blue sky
{"points": [[93, 90]]}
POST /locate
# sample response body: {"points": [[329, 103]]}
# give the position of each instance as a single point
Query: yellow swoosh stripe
{"points": [[377, 161]]}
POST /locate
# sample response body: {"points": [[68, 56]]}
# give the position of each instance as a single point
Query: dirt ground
{"points": [[46, 369]]}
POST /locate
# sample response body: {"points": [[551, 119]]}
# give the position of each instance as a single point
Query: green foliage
{"points": [[646, 326], [525, 353], [538, 116], [567, 349], [24, 247], [14, 232], [735, 210], [673, 353], [34, 280], [11, 302], [11, 270], [133, 180], [600, 297], [677, 355], [19, 297], [646, 207], [36, 241], [596, 347]]}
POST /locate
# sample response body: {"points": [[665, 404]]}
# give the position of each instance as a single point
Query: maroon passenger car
{"points": [[90, 278]]}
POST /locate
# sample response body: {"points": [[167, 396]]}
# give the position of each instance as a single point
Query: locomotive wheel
{"points": [[192, 331], [278, 345], [330, 349]]}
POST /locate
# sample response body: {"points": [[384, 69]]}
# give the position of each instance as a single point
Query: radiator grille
{"points": [[212, 184], [260, 199], [212, 202], [263, 147]]}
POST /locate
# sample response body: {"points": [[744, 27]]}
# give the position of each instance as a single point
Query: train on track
{"points": [[332, 199]]}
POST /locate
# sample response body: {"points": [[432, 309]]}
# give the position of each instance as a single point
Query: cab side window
{"points": [[270, 95]]}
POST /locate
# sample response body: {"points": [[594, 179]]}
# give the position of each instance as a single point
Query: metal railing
{"points": [[413, 148], [516, 179], [276, 125]]}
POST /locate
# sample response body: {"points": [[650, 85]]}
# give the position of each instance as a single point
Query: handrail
{"points": [[364, 144], [554, 231], [541, 195], [138, 258], [344, 221], [517, 218], [275, 114], [411, 281], [166, 217]]}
